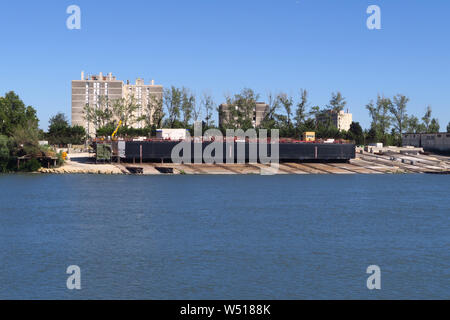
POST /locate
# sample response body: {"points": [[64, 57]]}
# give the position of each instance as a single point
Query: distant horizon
{"points": [[220, 47]]}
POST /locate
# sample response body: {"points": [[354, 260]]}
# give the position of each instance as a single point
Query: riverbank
{"points": [[389, 161], [83, 163]]}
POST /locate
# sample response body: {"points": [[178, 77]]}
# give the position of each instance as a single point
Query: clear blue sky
{"points": [[223, 46]]}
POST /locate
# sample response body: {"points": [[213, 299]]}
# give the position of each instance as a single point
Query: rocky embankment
{"points": [[63, 170]]}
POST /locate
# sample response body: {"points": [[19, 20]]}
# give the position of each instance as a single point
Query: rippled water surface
{"points": [[224, 237]]}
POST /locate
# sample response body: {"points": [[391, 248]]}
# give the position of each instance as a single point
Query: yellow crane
{"points": [[117, 129]]}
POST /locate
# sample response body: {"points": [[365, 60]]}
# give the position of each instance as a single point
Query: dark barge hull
{"points": [[158, 151]]}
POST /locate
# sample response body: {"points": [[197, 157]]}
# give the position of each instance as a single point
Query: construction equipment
{"points": [[309, 136], [117, 129]]}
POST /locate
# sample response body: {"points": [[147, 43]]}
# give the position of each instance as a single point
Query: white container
{"points": [[172, 134], [378, 145]]}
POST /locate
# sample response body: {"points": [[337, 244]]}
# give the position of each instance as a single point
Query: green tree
{"points": [[103, 112], [89, 116], [372, 135], [207, 104], [19, 133], [4, 153], [286, 102], [58, 130], [325, 131], [241, 107], [430, 125], [314, 113], [448, 128], [427, 118], [59, 121], [100, 114], [61, 133], [78, 135], [337, 102], [196, 110], [325, 116], [25, 141], [414, 126], [400, 117], [187, 106], [269, 119], [373, 112], [356, 133], [14, 113], [300, 113], [173, 100], [381, 119], [125, 109], [30, 166], [434, 126], [308, 125], [154, 111]]}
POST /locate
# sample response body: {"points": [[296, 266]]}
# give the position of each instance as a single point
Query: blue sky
{"points": [[224, 46]]}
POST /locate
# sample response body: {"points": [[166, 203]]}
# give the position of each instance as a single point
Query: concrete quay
{"points": [[392, 161]]}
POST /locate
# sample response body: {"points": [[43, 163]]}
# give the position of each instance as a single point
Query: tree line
{"points": [[390, 119], [180, 108], [292, 117], [175, 108]]}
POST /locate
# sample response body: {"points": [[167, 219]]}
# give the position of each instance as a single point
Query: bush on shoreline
{"points": [[19, 136]]}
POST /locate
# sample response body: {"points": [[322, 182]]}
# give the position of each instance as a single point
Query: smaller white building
{"points": [[172, 134], [342, 120]]}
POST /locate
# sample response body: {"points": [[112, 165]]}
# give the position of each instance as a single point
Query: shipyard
{"points": [[155, 157], [118, 127], [128, 132], [146, 129]]}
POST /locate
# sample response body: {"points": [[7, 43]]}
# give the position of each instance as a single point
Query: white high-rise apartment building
{"points": [[142, 93], [99, 91]]}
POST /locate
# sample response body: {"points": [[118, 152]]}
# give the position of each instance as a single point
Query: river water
{"points": [[224, 237]]}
